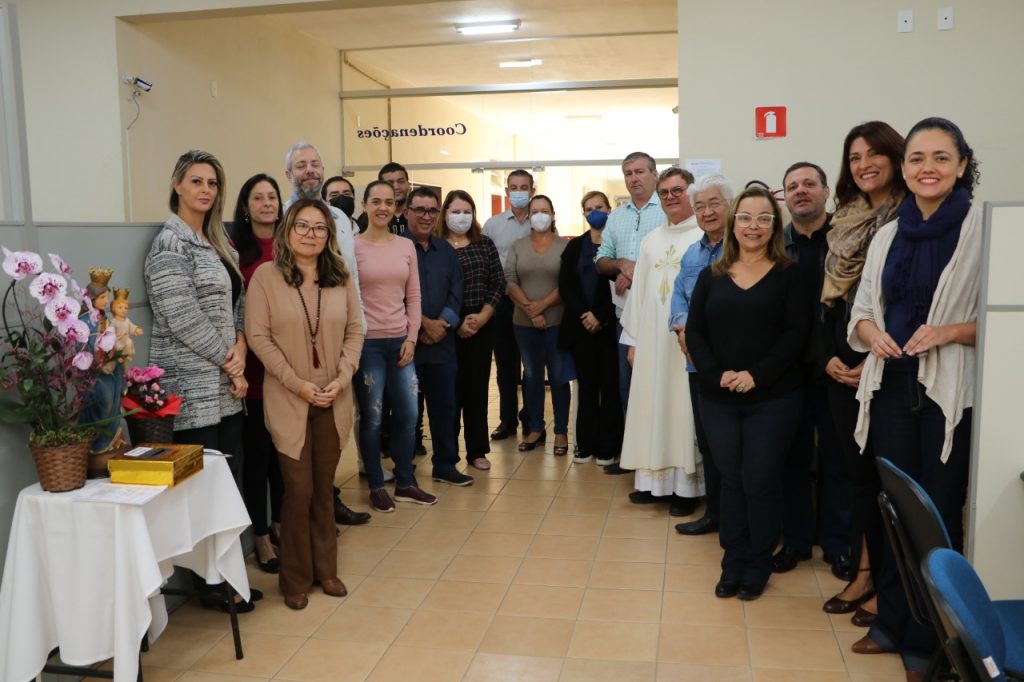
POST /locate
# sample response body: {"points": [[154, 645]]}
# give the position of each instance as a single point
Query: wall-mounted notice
{"points": [[769, 122], [701, 167]]}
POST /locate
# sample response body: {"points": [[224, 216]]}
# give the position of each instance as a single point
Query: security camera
{"points": [[140, 83]]}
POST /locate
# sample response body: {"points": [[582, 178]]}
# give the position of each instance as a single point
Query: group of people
{"points": [[818, 337]]}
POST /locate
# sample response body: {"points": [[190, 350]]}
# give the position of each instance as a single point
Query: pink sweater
{"points": [[389, 278]]}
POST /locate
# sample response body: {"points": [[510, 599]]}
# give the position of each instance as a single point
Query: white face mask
{"points": [[459, 223], [540, 222]]}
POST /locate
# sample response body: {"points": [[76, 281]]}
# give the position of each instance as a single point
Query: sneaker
{"points": [[581, 459], [453, 477], [389, 475], [381, 501], [415, 495], [605, 461]]}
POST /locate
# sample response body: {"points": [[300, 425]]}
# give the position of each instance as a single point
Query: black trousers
{"points": [[471, 386], [226, 436], [509, 365], [908, 428], [261, 471], [712, 477], [599, 416]]}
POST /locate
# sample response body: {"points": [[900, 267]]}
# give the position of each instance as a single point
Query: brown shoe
{"points": [[863, 618], [296, 601], [836, 605], [866, 645], [333, 587]]}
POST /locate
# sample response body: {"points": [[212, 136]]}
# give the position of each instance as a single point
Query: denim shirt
{"points": [[441, 296], [699, 256]]}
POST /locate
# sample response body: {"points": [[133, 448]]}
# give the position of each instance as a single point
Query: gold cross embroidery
{"points": [[669, 266]]}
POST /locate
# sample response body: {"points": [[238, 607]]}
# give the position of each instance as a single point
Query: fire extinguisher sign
{"points": [[769, 122]]}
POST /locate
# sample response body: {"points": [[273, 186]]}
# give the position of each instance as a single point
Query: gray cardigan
{"points": [[194, 323]]}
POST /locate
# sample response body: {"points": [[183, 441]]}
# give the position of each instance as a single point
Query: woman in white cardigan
{"points": [[916, 312]]}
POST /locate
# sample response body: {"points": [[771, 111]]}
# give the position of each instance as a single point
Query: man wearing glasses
{"points": [[397, 176]]}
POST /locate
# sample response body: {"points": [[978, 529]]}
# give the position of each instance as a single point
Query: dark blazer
{"points": [[571, 291]]}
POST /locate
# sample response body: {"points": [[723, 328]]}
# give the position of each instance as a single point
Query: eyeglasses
{"points": [[764, 220], [676, 191], [714, 205], [421, 211], [302, 228]]}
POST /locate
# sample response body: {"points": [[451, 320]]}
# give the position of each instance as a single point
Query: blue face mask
{"points": [[519, 199], [597, 219]]}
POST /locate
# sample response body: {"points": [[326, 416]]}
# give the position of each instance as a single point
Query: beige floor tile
{"points": [[537, 473], [580, 506], [528, 487], [588, 471], [828, 584], [624, 527], [542, 601], [700, 578], [496, 544], [503, 668], [704, 645], [191, 614], [777, 675], [841, 623], [404, 516], [797, 649], [623, 575], [484, 483], [563, 547], [324, 660], [500, 522], [796, 583], [614, 641], [879, 677], [444, 630], [685, 672], [272, 617], [357, 560], [621, 605], [630, 549], [369, 624], [875, 664], [397, 593], [598, 489], [696, 608], [588, 670], [464, 596], [521, 504], [686, 551], [554, 572], [621, 506], [151, 673], [369, 537], [434, 539], [803, 613], [546, 637], [403, 663], [572, 525], [466, 502], [179, 646], [449, 520], [265, 655], [198, 676], [482, 569], [404, 563]]}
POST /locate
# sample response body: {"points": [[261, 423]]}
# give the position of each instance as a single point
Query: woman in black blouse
{"points": [[747, 327], [483, 288], [588, 332]]}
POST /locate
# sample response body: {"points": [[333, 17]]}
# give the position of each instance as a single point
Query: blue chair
{"points": [[991, 634]]}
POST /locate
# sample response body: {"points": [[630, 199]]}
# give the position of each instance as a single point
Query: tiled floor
{"points": [[542, 570]]}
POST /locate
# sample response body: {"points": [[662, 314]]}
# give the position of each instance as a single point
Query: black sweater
{"points": [[762, 330]]}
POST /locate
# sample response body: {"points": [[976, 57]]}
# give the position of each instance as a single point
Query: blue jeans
{"points": [[539, 347], [379, 374], [437, 388]]}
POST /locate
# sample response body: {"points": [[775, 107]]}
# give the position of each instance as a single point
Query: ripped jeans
{"points": [[379, 373]]}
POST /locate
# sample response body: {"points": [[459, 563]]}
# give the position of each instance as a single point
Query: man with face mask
{"points": [[504, 229], [341, 194]]}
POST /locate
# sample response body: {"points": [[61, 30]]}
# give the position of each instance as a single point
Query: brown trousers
{"points": [[309, 542]]}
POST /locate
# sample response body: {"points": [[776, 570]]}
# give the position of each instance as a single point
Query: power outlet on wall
{"points": [[905, 21], [944, 21]]}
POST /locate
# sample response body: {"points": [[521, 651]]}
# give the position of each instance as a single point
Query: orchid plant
{"points": [[45, 356]]}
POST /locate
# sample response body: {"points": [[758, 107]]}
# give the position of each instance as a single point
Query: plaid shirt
{"points": [[482, 275], [627, 226]]}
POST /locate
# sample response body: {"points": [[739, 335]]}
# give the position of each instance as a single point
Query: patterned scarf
{"points": [[853, 226]]}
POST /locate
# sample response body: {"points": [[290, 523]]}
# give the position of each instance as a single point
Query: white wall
{"points": [[837, 64]]}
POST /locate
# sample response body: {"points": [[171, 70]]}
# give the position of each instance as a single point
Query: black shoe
{"points": [[786, 559], [701, 526], [453, 477], [615, 469], [643, 497], [348, 517], [271, 565], [682, 506], [727, 588], [749, 592], [842, 568], [221, 604], [502, 432]]}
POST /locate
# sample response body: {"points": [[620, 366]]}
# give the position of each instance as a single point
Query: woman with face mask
{"points": [[483, 289], [531, 271], [588, 332]]}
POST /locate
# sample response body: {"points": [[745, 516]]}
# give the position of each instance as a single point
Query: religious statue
{"points": [[124, 328], [104, 401]]}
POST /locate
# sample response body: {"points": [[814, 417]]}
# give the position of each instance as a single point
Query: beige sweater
{"points": [[946, 372], [277, 331]]}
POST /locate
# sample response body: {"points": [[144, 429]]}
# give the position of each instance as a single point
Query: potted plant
{"points": [[53, 351], [150, 407]]}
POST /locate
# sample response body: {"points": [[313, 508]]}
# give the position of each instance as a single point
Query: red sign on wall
{"points": [[769, 122]]}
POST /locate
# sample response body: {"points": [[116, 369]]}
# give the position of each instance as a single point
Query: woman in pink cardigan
{"points": [[303, 322]]}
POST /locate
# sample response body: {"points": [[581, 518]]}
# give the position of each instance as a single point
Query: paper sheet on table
{"points": [[119, 493]]}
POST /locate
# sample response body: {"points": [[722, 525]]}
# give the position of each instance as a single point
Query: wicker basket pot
{"points": [[62, 467], [152, 430]]}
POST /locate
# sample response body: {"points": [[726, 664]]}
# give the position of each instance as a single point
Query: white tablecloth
{"points": [[85, 576]]}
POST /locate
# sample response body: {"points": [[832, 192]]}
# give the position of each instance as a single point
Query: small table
{"points": [[86, 576]]}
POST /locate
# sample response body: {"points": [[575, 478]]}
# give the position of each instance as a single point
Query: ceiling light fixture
{"points": [[488, 27], [521, 63]]}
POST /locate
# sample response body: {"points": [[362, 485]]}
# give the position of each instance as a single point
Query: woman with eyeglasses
{"points": [[390, 282], [746, 330], [588, 332], [531, 270]]}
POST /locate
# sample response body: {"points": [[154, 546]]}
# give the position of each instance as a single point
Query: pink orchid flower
{"points": [[59, 265], [82, 360], [47, 286], [21, 264], [61, 309], [105, 341], [76, 331]]}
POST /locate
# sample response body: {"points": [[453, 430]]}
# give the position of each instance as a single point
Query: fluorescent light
{"points": [[521, 64], [488, 27]]}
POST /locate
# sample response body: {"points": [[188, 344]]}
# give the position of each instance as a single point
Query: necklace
{"points": [[313, 331]]}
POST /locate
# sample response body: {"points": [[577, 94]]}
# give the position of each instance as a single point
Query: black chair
{"points": [[914, 528]]}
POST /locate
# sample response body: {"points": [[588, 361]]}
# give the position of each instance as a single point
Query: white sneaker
{"points": [[389, 475], [581, 459], [605, 462]]}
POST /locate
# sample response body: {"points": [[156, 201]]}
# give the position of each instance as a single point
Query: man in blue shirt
{"points": [[711, 196], [441, 301]]}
